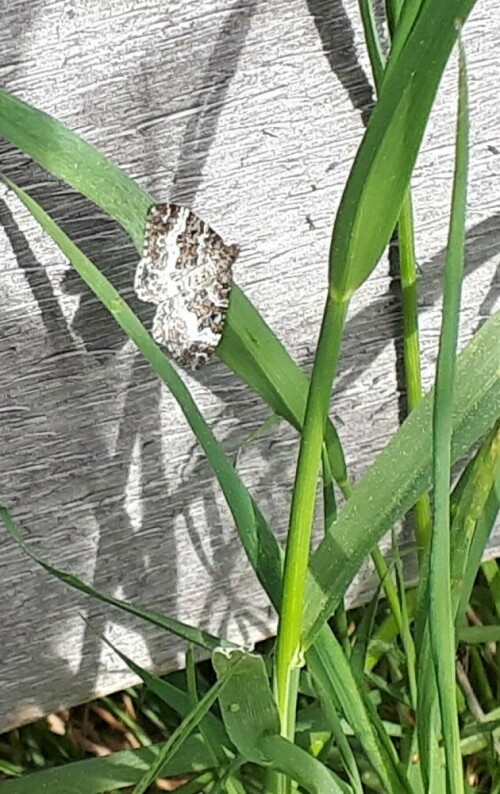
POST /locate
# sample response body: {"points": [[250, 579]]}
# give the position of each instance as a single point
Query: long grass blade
{"points": [[189, 633], [117, 771], [331, 670], [182, 732], [441, 619]]}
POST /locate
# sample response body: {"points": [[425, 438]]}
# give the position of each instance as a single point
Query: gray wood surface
{"points": [[250, 112]]}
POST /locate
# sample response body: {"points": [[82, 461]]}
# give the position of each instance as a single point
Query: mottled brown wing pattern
{"points": [[186, 270]]}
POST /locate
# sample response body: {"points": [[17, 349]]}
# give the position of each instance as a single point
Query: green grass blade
{"points": [[406, 635], [401, 473], [373, 46], [76, 162], [248, 346], [213, 743], [117, 771], [256, 355], [475, 508], [329, 666], [334, 724], [189, 633], [406, 246], [441, 619], [363, 636], [313, 776], [182, 732], [475, 635], [73, 253], [381, 171], [260, 544]]}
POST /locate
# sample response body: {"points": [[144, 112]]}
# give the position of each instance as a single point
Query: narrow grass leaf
{"points": [[189, 633], [473, 518], [313, 776], [226, 780], [368, 212], [117, 771], [406, 635], [381, 171], [76, 162], [476, 635], [405, 239], [491, 571], [441, 619], [329, 667], [363, 635], [182, 732], [334, 724], [469, 533], [256, 355]]}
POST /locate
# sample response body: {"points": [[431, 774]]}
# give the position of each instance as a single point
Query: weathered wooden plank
{"points": [[250, 113]]}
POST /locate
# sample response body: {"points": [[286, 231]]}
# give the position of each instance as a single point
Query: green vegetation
{"points": [[385, 707]]}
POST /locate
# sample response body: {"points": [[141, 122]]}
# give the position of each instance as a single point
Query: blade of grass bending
{"points": [[366, 217], [379, 178], [248, 347], [117, 771], [247, 704], [313, 776], [73, 252], [441, 619], [256, 355], [182, 732], [189, 633], [260, 544], [76, 162]]}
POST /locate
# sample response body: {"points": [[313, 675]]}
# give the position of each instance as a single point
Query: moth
{"points": [[186, 270]]}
